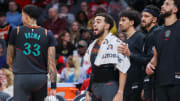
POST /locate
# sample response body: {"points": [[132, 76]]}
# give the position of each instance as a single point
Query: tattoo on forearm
{"points": [[52, 64], [10, 55]]}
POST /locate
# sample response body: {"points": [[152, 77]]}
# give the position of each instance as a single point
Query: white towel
{"points": [[108, 53]]}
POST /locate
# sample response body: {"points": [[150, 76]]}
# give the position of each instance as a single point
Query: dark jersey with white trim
{"points": [[167, 43], [31, 49]]}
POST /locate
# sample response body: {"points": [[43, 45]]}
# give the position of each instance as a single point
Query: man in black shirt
{"points": [[135, 40], [165, 62], [104, 77], [31, 53], [149, 21]]}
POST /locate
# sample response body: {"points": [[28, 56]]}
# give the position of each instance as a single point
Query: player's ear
{"points": [[154, 19], [175, 10], [131, 22], [107, 26]]}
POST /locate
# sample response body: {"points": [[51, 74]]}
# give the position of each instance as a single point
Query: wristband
{"points": [[53, 85]]}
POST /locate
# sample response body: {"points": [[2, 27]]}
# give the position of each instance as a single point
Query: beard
{"points": [[99, 34], [166, 14], [147, 25]]}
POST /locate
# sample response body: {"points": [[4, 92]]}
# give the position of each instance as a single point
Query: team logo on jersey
{"points": [[118, 41], [105, 41], [177, 75], [110, 46], [167, 34]]}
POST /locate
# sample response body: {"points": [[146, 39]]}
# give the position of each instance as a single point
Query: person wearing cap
{"points": [[82, 47], [80, 52], [149, 21]]}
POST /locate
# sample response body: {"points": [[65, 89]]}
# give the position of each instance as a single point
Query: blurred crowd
{"points": [[71, 23]]}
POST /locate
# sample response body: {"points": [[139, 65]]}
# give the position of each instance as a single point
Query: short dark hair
{"points": [[131, 15], [153, 8], [108, 19], [177, 4], [32, 10], [64, 5], [2, 14]]}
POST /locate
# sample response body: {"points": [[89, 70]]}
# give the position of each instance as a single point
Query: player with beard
{"points": [[165, 62], [105, 78], [149, 21], [135, 40]]}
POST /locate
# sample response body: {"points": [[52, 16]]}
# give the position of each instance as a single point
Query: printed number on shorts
{"points": [[35, 49]]}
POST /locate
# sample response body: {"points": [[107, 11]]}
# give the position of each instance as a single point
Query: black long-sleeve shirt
{"points": [[146, 54], [135, 73]]}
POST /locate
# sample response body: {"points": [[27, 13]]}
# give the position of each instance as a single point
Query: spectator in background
{"points": [[65, 14], [85, 8], [73, 72], [81, 50], [137, 4], [93, 6], [64, 47], [54, 23], [4, 5], [86, 35], [6, 78], [5, 27], [75, 32], [122, 36], [2, 56], [69, 3], [53, 4], [115, 8], [39, 3], [6, 81], [13, 17], [82, 18]]}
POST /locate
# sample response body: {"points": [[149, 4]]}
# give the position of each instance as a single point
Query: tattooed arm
{"points": [[10, 55], [52, 69]]}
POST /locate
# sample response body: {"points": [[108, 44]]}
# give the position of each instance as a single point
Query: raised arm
{"points": [[10, 55], [52, 69]]}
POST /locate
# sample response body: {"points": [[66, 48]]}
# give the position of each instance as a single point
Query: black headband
{"points": [[154, 13]]}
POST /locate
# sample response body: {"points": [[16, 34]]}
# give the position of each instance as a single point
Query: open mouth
{"points": [[95, 30], [162, 10]]}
